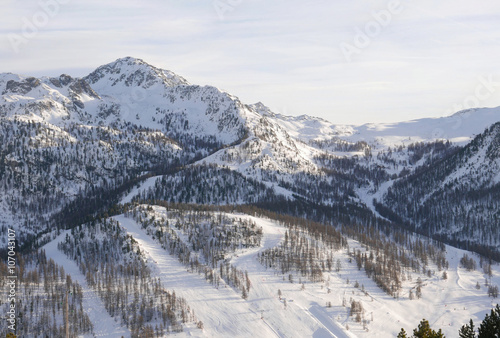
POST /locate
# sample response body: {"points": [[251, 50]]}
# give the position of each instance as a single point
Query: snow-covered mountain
{"points": [[126, 91], [155, 175], [66, 139], [458, 197]]}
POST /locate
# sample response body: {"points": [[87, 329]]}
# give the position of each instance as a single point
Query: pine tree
{"points": [[490, 327], [402, 334], [467, 331], [424, 331]]}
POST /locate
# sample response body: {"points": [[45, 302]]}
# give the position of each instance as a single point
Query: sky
{"points": [[350, 62]]}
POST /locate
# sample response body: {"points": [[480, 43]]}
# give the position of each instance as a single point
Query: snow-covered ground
{"points": [[447, 304], [223, 311], [140, 188], [104, 324]]}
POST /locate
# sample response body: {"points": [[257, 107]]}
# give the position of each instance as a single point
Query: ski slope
{"points": [[447, 304], [104, 324], [223, 311]]}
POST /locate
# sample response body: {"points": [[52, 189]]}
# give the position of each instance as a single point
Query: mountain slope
{"points": [[458, 197], [69, 142], [264, 223], [458, 128], [65, 138], [150, 241]]}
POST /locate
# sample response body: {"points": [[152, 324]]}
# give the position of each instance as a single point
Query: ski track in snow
{"points": [[104, 324], [447, 304], [223, 311], [142, 187], [272, 237]]}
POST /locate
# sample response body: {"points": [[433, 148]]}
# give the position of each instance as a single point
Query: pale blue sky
{"points": [[331, 59]]}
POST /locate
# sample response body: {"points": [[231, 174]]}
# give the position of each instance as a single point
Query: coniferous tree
{"points": [[467, 331], [490, 327], [402, 334], [424, 331]]}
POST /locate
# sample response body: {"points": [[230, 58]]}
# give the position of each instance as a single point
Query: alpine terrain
{"points": [[141, 205]]}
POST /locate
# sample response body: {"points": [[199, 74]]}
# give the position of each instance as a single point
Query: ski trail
{"points": [[222, 311], [318, 321], [104, 324], [330, 325]]}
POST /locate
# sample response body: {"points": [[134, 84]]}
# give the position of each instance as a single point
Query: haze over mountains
{"points": [[76, 150]]}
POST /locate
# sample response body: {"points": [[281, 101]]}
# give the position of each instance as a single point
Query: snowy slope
{"points": [[457, 197], [88, 140], [459, 128], [447, 304], [222, 310], [104, 324]]}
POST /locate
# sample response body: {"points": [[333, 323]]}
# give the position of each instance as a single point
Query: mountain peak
{"points": [[464, 112], [262, 109], [133, 72]]}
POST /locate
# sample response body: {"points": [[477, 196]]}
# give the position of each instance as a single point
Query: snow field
{"points": [[222, 311], [447, 304]]}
